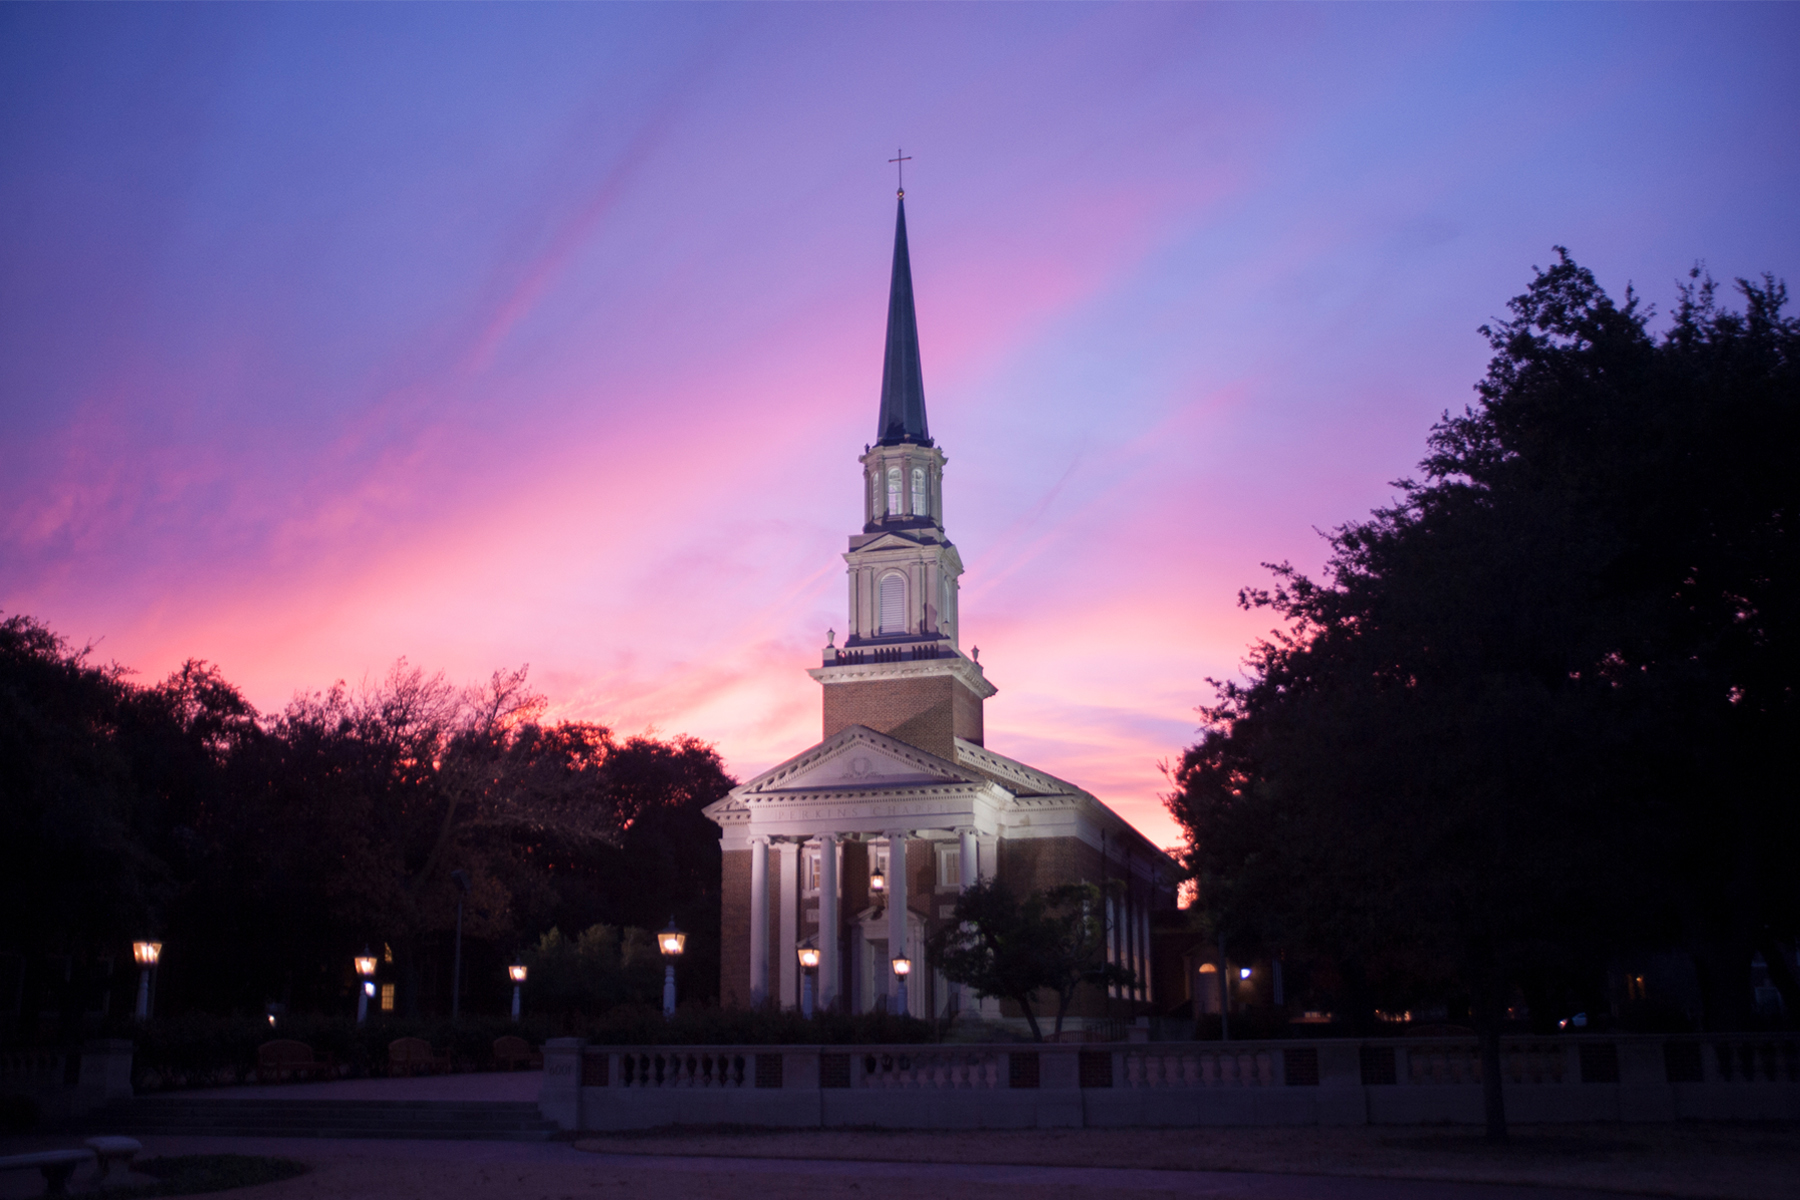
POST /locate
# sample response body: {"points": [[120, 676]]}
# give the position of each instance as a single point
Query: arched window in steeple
{"points": [[875, 513], [920, 506], [893, 603], [893, 480]]}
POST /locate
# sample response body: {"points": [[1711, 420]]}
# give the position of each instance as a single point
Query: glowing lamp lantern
{"points": [[671, 942], [1243, 972], [516, 973], [877, 885], [365, 970], [808, 954], [902, 968], [147, 954]]}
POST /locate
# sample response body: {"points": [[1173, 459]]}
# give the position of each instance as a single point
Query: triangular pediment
{"points": [[890, 540], [857, 758]]}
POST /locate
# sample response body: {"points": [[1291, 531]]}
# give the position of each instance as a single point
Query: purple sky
{"points": [[549, 334]]}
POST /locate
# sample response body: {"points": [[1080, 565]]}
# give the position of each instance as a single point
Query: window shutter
{"points": [[893, 604]]}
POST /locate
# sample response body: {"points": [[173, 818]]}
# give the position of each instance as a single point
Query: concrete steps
{"points": [[489, 1120]]}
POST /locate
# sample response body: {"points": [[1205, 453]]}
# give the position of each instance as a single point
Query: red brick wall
{"points": [[734, 929], [927, 711]]}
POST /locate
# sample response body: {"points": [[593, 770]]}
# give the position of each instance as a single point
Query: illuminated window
{"points": [[387, 997], [893, 603], [893, 491], [809, 872], [920, 507]]}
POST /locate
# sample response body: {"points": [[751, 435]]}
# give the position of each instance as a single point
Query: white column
{"points": [[788, 891], [971, 865], [759, 921], [829, 970], [896, 886]]}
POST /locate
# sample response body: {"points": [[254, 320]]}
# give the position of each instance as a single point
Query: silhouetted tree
{"points": [[1543, 707]]}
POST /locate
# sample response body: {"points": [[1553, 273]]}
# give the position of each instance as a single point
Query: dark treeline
{"points": [[265, 851], [1537, 723]]}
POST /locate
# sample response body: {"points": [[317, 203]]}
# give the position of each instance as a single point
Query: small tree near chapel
{"points": [[1017, 948]]}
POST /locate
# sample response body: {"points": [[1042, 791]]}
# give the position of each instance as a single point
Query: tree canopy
{"points": [[265, 850], [1020, 947], [1541, 709]]}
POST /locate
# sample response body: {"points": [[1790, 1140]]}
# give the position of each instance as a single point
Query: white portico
{"points": [[879, 799]]}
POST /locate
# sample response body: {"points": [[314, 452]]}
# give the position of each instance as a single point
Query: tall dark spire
{"points": [[902, 385]]}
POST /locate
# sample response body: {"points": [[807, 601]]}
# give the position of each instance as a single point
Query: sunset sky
{"points": [[490, 335]]}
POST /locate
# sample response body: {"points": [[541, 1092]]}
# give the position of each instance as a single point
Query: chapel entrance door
{"points": [[873, 970]]}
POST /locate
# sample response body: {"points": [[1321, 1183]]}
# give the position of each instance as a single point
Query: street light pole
{"points": [[517, 972], [809, 962], [462, 883], [671, 942], [146, 954], [365, 985]]}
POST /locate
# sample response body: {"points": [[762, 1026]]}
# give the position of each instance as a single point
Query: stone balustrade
{"points": [[1388, 1081]]}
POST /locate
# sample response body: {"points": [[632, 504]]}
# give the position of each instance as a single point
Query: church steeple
{"points": [[902, 384], [900, 669]]}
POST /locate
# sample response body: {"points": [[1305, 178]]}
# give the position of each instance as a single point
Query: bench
{"points": [[513, 1053], [58, 1165], [414, 1056], [113, 1152], [285, 1059]]}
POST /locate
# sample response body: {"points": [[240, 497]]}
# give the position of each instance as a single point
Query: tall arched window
{"points": [[893, 603], [875, 497], [920, 506], [893, 491]]}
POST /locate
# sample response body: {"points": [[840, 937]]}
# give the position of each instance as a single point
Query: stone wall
{"points": [[1172, 1084]]}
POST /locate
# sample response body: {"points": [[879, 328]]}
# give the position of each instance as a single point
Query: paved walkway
{"points": [[476, 1085], [403, 1170]]}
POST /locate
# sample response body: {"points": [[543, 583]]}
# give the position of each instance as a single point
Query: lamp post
{"points": [[146, 954], [809, 962], [462, 883], [902, 968], [671, 942], [517, 973], [877, 887], [365, 970]]}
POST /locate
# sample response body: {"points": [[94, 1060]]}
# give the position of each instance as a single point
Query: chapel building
{"points": [[860, 844]]}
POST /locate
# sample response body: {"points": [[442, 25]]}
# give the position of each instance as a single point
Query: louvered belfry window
{"points": [[893, 491], [920, 508], [893, 604]]}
